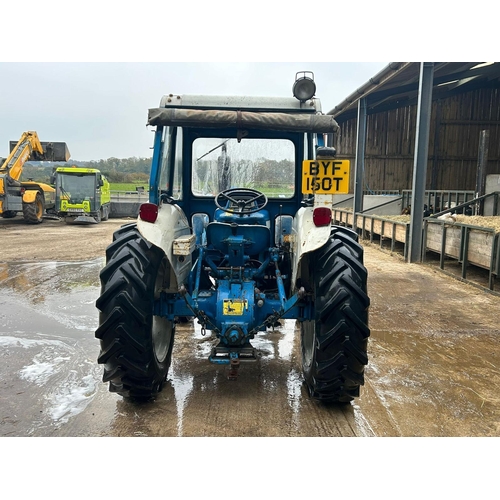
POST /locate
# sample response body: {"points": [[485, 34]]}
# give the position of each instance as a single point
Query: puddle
{"points": [[48, 368]]}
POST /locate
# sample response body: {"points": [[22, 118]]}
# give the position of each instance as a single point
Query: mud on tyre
{"points": [[136, 345], [334, 344]]}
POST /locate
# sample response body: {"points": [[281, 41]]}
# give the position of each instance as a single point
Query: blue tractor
{"points": [[237, 234]]}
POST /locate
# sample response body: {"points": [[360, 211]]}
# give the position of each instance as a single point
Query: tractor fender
{"points": [[170, 224], [46, 188], [30, 195], [32, 188], [307, 237]]}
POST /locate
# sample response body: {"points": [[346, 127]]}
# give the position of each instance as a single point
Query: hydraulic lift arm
{"points": [[12, 167]]}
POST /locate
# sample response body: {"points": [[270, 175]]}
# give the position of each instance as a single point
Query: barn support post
{"points": [[435, 154], [420, 160], [359, 168], [482, 162]]}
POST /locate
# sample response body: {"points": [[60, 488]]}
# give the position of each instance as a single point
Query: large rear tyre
{"points": [[136, 345], [334, 344], [33, 212]]}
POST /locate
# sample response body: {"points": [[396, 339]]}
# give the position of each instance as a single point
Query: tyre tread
{"points": [[125, 305], [341, 322]]}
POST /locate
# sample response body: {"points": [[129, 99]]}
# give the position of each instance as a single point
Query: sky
{"points": [[86, 74], [100, 109]]}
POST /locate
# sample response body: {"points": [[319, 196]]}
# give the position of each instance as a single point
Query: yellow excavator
{"points": [[33, 199]]}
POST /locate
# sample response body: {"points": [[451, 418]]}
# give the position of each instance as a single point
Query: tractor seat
{"points": [[256, 238]]}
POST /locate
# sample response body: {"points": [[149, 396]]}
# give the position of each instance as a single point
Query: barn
{"points": [[425, 137]]}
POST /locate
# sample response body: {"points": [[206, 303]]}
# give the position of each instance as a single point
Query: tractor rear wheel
{"points": [[33, 212], [136, 345], [334, 343]]}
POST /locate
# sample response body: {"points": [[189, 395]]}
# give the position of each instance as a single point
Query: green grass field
{"points": [[131, 186], [128, 186]]}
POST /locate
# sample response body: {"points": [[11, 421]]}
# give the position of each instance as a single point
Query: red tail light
{"points": [[148, 212], [322, 216]]}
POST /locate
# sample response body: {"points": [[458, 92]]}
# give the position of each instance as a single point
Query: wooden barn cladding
{"points": [[458, 116]]}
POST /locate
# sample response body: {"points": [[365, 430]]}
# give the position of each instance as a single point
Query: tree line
{"points": [[212, 176], [115, 169], [264, 172]]}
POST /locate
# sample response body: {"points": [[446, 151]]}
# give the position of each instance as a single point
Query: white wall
{"points": [[370, 201], [492, 184]]}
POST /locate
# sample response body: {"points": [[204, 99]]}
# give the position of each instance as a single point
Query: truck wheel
{"points": [[33, 212], [334, 343], [104, 213], [9, 214], [136, 345]]}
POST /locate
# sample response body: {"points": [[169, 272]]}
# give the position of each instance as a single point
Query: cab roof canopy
{"points": [[265, 113]]}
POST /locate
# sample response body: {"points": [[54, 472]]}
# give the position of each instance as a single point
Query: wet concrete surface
{"points": [[434, 365], [48, 372]]}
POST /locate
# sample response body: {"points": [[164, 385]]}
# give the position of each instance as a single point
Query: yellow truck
{"points": [[32, 199], [82, 195]]}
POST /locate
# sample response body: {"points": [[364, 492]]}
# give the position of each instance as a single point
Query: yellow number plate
{"points": [[233, 307], [325, 176]]}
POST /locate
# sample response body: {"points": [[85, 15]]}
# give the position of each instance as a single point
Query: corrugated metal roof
{"points": [[397, 85]]}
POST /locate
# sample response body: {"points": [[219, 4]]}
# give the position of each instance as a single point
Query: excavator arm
{"points": [[13, 165]]}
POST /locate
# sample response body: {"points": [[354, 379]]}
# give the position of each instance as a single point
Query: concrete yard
{"points": [[434, 360]]}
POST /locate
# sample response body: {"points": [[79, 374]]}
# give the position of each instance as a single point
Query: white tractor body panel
{"points": [[170, 225], [306, 237]]}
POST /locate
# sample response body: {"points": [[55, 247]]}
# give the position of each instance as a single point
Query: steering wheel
{"points": [[241, 200]]}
